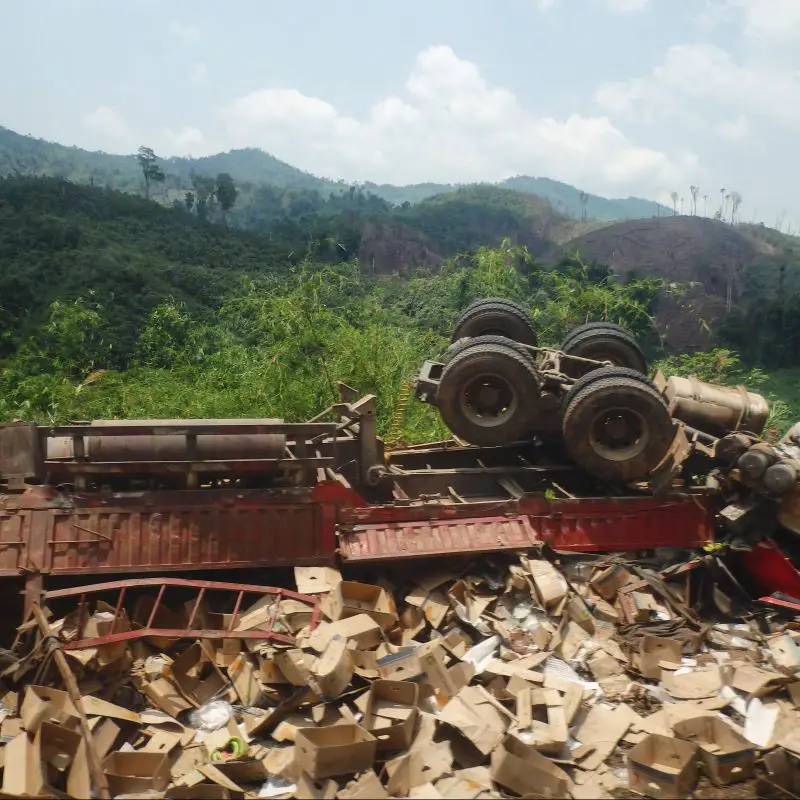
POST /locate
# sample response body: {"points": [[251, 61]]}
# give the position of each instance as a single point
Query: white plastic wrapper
{"points": [[211, 717]]}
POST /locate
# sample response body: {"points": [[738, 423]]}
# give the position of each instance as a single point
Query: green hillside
{"points": [[253, 168]]}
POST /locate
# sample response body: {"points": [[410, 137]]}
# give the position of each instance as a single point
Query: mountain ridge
{"points": [[28, 155]]}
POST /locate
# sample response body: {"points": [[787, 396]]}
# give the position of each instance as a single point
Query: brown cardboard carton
{"points": [[662, 767], [550, 584], [308, 789], [727, 756], [56, 748], [608, 582], [333, 671], [360, 631], [315, 580], [351, 598], [522, 769], [296, 666], [334, 750], [17, 751], [478, 717], [243, 771], [391, 713], [365, 787], [198, 679], [549, 724], [244, 678], [42, 704], [655, 649], [131, 772], [163, 694], [403, 665], [783, 775], [201, 791]]}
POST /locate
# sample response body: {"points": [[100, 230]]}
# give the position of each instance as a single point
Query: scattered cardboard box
{"points": [[522, 769], [351, 598], [662, 767], [129, 772], [334, 750], [391, 713], [727, 756]]}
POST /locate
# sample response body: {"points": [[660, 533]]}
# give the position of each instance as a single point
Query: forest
{"points": [[115, 306]]}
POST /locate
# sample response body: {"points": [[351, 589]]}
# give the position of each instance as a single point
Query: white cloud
{"points": [[109, 129], [184, 141], [703, 83], [198, 74], [735, 130], [614, 6], [448, 125], [186, 32], [626, 6]]}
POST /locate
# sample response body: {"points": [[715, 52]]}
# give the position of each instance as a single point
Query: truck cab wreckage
{"points": [[575, 448]]}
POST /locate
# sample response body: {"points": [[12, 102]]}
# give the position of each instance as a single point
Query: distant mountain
{"points": [[26, 155]]}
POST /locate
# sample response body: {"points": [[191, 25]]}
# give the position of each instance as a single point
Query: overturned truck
{"points": [[572, 448]]}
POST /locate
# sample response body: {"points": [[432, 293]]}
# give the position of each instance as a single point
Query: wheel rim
{"points": [[619, 434], [488, 400]]}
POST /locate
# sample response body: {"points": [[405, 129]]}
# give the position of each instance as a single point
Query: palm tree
{"points": [[736, 201], [694, 190], [674, 197]]}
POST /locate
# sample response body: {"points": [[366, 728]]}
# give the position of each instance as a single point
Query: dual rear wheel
{"points": [[615, 423]]}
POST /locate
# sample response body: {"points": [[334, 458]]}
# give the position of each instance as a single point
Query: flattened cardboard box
{"points": [[662, 767], [521, 769], [334, 750], [727, 756], [394, 702]]}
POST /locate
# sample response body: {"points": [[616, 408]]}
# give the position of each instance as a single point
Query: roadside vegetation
{"points": [[112, 306]]}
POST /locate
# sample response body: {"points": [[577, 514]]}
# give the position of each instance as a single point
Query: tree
{"points": [[584, 198], [204, 189], [150, 170], [226, 192], [705, 205], [736, 201], [681, 205], [721, 203], [675, 198], [188, 200], [695, 191]]}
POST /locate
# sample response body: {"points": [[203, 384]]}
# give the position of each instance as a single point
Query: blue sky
{"points": [[617, 97]]}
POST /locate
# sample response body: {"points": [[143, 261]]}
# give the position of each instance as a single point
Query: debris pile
{"points": [[574, 677]]}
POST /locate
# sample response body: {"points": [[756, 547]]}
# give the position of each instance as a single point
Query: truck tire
{"points": [[602, 374], [487, 395], [602, 343], [618, 428], [495, 316], [461, 345], [591, 326]]}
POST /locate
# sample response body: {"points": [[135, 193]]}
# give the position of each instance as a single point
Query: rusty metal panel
{"points": [[628, 523], [146, 539], [589, 525], [13, 541], [20, 452], [436, 537]]}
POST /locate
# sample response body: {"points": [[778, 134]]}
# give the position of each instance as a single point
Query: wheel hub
{"points": [[619, 434], [487, 400]]}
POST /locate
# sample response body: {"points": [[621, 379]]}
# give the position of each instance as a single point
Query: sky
{"points": [[617, 97]]}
